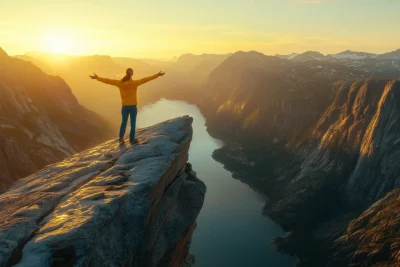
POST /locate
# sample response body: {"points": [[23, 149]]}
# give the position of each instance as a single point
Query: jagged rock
{"points": [[372, 239], [377, 169], [351, 157], [41, 121], [112, 205]]}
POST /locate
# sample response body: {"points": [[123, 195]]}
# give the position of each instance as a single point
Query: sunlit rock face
{"points": [[112, 205], [41, 121], [373, 238], [349, 159], [377, 169]]}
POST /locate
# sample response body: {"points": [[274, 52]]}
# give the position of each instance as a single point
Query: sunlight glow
{"points": [[59, 44]]}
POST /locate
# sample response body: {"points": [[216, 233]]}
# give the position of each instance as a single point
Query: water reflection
{"points": [[231, 229]]}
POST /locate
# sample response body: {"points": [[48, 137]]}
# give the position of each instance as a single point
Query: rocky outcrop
{"points": [[373, 238], [112, 205], [377, 168], [41, 121]]}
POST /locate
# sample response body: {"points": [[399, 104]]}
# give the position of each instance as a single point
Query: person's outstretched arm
{"points": [[104, 80], [150, 78]]}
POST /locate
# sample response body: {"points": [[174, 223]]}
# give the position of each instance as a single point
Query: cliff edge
{"points": [[112, 205]]}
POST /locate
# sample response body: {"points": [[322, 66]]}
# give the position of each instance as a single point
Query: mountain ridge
{"points": [[41, 120]]}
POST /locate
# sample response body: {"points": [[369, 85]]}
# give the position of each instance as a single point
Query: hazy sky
{"points": [[167, 28]]}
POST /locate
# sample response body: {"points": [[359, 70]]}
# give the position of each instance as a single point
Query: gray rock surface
{"points": [[377, 169], [112, 205]]}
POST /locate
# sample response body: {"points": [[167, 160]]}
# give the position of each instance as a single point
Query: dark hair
{"points": [[128, 75]]}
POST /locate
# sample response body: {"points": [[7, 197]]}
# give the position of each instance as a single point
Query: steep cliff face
{"points": [[319, 181], [373, 238], [265, 97], [377, 168], [350, 157], [41, 121], [279, 98], [112, 205]]}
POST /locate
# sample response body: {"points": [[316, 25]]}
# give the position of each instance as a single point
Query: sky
{"points": [[168, 28]]}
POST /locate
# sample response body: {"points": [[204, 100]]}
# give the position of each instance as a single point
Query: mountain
{"points": [[371, 239], [111, 205], [348, 54], [184, 79], [195, 68], [290, 56], [317, 137], [302, 57], [309, 55], [324, 173], [390, 55], [99, 97], [192, 62], [341, 157], [184, 76], [252, 94], [41, 121], [384, 66]]}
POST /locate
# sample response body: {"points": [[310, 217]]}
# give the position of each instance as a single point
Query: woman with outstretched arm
{"points": [[128, 91]]}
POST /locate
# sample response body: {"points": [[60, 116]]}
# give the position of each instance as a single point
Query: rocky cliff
{"points": [[316, 135], [349, 158], [41, 121], [326, 175], [372, 239], [265, 97], [112, 205]]}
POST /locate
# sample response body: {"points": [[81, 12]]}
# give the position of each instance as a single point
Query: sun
{"points": [[59, 44]]}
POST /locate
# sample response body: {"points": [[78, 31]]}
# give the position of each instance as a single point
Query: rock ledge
{"points": [[112, 205]]}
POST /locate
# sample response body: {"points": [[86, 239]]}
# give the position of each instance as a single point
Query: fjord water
{"points": [[231, 229]]}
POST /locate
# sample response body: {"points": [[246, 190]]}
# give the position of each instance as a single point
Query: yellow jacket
{"points": [[128, 89]]}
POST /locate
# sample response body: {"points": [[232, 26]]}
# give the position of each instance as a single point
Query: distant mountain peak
{"points": [[390, 55], [307, 56], [352, 55], [313, 53]]}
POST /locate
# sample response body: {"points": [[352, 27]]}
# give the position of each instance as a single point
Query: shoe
{"points": [[134, 141]]}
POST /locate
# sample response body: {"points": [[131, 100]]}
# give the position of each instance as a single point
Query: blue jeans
{"points": [[126, 111]]}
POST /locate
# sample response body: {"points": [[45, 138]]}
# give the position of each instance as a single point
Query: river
{"points": [[231, 229]]}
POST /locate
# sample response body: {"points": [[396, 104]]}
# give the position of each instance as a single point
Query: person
{"points": [[128, 91]]}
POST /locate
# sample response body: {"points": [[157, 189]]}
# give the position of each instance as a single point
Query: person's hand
{"points": [[161, 73], [94, 76]]}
